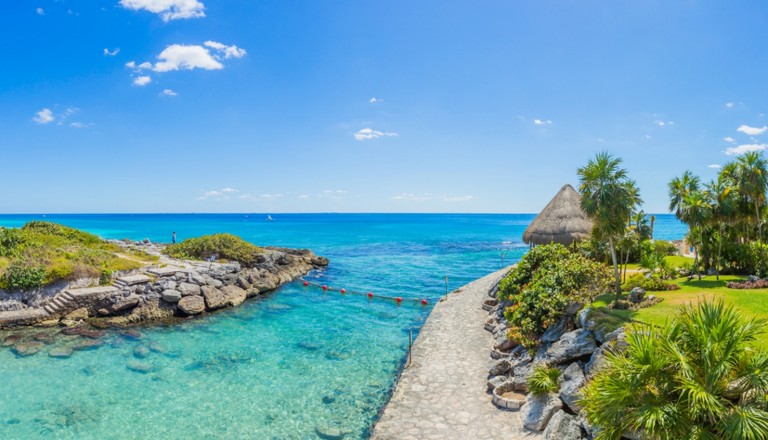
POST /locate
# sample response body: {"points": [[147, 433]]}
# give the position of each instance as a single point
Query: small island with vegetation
{"points": [[52, 274]]}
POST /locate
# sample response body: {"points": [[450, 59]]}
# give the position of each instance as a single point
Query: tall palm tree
{"points": [[753, 182], [643, 228], [722, 202], [608, 197], [694, 211], [679, 187]]}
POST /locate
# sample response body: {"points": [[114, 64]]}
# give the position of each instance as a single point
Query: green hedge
{"points": [[223, 246]]}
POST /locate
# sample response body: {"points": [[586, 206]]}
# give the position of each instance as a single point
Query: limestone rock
{"points": [[139, 367], [126, 303], [251, 292], [555, 332], [538, 410], [235, 295], [196, 278], [496, 381], [10, 340], [26, 348], [88, 344], [581, 318], [81, 313], [60, 352], [229, 295], [192, 305], [141, 351], [573, 379], [171, 296], [596, 362], [571, 346], [500, 367], [636, 295], [562, 426], [188, 289]]}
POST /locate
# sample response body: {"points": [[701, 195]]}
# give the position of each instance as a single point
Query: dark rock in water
{"points": [[60, 352], [74, 330], [334, 355], [45, 338], [328, 399], [309, 345], [92, 334], [12, 422], [157, 347], [141, 351], [27, 348], [90, 344], [131, 334], [10, 340], [139, 367]]}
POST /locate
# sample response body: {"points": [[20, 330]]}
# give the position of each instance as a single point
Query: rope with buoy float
{"points": [[397, 299]]}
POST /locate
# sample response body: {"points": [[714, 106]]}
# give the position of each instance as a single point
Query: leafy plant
{"points": [[698, 377], [544, 379], [651, 284], [21, 276]]}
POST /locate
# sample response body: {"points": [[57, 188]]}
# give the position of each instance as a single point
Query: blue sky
{"points": [[367, 106]]}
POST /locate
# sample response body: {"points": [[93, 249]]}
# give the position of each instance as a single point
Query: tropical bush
{"points": [[651, 283], [698, 377], [220, 246], [544, 379], [543, 284]]}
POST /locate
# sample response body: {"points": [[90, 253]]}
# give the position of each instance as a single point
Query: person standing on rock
{"points": [[173, 238]]}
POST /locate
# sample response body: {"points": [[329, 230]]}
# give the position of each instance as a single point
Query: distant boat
{"points": [[269, 218]]}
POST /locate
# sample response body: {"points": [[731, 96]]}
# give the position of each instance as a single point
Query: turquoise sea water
{"points": [[276, 368]]}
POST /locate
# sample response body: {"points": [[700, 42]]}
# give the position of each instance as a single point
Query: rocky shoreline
{"points": [[575, 345], [165, 291]]}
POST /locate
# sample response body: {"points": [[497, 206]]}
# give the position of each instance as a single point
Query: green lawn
{"points": [[674, 260], [749, 302]]}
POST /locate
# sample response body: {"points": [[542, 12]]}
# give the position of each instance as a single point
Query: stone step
{"points": [[50, 310], [58, 303], [132, 280], [66, 295], [166, 271], [89, 291]]}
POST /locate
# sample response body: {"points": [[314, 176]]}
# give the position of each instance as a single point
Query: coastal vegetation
{"points": [[40, 253], [216, 246], [696, 377], [544, 379]]}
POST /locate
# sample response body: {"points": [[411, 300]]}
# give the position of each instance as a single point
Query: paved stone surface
{"points": [[131, 280], [442, 395], [88, 291], [165, 271]]}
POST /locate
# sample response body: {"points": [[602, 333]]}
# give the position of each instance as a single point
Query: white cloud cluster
{"points": [[752, 131], [729, 139], [187, 57], [111, 53], [223, 193], [78, 124], [542, 122], [168, 9], [44, 116], [661, 123], [332, 194], [457, 198], [730, 104], [714, 166], [413, 197], [374, 100], [368, 133], [142, 80], [746, 148], [168, 92]]}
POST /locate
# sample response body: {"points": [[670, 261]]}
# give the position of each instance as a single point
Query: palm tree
{"points": [[694, 211], [608, 197], [722, 208], [698, 377], [753, 182], [643, 228], [679, 187]]}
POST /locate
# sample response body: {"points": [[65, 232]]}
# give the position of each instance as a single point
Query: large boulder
{"points": [[188, 289], [596, 362], [499, 367], [562, 426], [235, 295], [573, 379], [555, 332], [571, 346], [171, 296], [539, 409], [196, 278], [230, 295], [192, 305], [636, 295]]}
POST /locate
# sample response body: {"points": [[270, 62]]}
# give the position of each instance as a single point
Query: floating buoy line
{"points": [[397, 299]]}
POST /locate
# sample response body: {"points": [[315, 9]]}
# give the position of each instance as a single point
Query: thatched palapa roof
{"points": [[561, 221]]}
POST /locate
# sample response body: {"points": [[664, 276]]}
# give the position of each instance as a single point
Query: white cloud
{"points": [[457, 198], [746, 148], [40, 11], [648, 136], [131, 64], [111, 53], [730, 104], [223, 193], [332, 194], [181, 57], [78, 124], [44, 116], [142, 81], [367, 133], [270, 196], [714, 166], [303, 196], [752, 131], [729, 139], [413, 197], [542, 122], [374, 100], [228, 51], [168, 9], [661, 123], [169, 92]]}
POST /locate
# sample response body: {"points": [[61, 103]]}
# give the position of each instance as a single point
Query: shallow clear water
{"points": [[276, 368]]}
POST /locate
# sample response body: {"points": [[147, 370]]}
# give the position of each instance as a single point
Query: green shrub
{"points": [[663, 247], [71, 235], [651, 284], [698, 377], [106, 277], [223, 246], [11, 242], [542, 285], [544, 379], [21, 276]]}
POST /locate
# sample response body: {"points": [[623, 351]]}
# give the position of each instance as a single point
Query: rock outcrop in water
{"points": [[171, 289]]}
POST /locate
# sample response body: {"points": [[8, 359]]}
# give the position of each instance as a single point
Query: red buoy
{"points": [[398, 299], [370, 294], [306, 283], [343, 291], [325, 287], [423, 302]]}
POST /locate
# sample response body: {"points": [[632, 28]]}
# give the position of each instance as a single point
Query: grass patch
{"points": [[751, 303], [221, 246], [40, 253]]}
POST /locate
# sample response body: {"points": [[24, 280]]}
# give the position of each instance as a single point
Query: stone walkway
{"points": [[442, 395]]}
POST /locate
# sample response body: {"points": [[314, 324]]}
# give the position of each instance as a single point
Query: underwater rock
{"points": [[141, 351], [60, 352], [309, 345], [10, 340], [89, 344], [330, 433], [131, 334], [139, 367], [45, 338], [26, 348]]}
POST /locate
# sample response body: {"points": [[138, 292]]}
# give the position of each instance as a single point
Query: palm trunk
{"points": [[759, 237], [615, 268], [626, 263], [719, 251]]}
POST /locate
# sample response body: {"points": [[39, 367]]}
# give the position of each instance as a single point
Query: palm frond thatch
{"points": [[561, 221]]}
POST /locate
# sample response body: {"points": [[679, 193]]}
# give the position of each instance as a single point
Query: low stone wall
{"points": [[173, 288]]}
